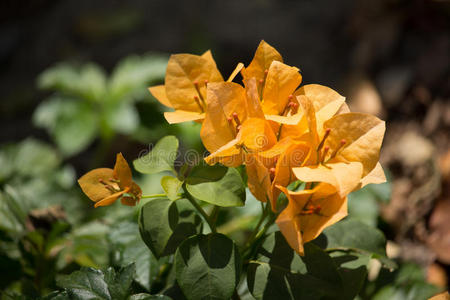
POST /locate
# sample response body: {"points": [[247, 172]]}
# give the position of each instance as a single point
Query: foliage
{"points": [[263, 216], [87, 104], [208, 267]]}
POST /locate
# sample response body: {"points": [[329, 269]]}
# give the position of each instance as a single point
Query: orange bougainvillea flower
{"points": [[226, 110], [327, 102], [344, 177], [187, 76], [261, 168], [308, 213], [185, 86], [276, 83], [258, 178], [229, 106], [279, 86], [268, 168], [272, 167], [259, 66], [104, 186], [236, 132], [357, 137], [345, 148], [253, 136], [319, 100], [293, 156]]}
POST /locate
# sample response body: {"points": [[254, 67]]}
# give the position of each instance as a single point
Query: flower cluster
{"points": [[285, 134], [301, 141]]}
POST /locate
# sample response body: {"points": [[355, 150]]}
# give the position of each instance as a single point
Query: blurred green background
{"points": [[73, 82]]}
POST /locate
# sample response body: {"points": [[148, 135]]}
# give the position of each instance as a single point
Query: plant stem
{"points": [[214, 214], [154, 196], [256, 235], [256, 229], [205, 216], [266, 226]]}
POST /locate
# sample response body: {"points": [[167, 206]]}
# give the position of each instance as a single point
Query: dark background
{"points": [[399, 45], [388, 57]]}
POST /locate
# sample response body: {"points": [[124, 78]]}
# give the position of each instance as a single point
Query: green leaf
{"points": [[350, 259], [76, 127], [128, 247], [363, 206], [72, 123], [133, 74], [93, 82], [56, 295], [407, 282], [34, 158], [206, 173], [86, 81], [119, 284], [43, 191], [156, 220], [208, 267], [279, 273], [382, 191], [123, 117], [66, 176], [46, 113], [171, 186], [352, 269], [161, 158], [13, 212], [144, 296], [86, 245], [354, 235], [164, 224], [226, 192], [89, 283], [8, 154], [353, 281]]}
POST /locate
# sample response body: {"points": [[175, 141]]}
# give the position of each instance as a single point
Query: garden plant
{"points": [[279, 201], [299, 150]]}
